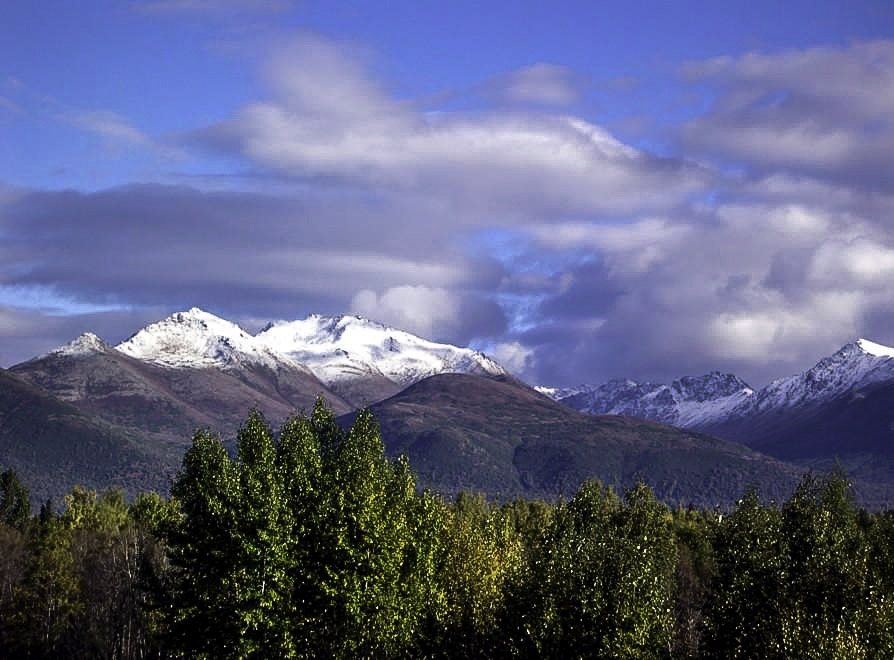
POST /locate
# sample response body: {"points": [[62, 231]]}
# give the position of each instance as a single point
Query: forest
{"points": [[309, 542]]}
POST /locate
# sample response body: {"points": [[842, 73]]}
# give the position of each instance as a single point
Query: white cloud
{"points": [[858, 263], [422, 310], [633, 245], [109, 125], [858, 77], [118, 132], [822, 110], [514, 356], [327, 117]]}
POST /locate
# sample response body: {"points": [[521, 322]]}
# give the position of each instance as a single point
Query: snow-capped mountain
{"points": [[190, 370], [366, 361], [687, 402], [84, 344], [354, 360], [774, 418], [559, 393], [855, 366], [197, 339]]}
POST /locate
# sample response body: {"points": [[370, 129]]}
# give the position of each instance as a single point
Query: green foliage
{"points": [[801, 582], [695, 572], [312, 544], [745, 614], [200, 617], [480, 551], [47, 600], [15, 502], [600, 583]]}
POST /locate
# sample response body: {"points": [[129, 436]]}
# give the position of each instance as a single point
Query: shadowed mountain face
{"points": [[500, 437], [54, 446]]}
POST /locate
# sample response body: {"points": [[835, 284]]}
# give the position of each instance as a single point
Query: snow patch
{"points": [[877, 350], [345, 347], [197, 339], [85, 344]]}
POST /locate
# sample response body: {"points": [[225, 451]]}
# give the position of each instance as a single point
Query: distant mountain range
{"points": [[99, 415], [836, 409]]}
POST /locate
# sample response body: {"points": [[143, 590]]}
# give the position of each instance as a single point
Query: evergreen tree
{"points": [[15, 501], [201, 620], [299, 467], [260, 538], [366, 536], [45, 605]]}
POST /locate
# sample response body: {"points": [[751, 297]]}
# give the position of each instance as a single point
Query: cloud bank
{"points": [[762, 243]]}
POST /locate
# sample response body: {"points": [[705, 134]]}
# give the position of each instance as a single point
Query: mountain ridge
{"points": [[778, 417]]}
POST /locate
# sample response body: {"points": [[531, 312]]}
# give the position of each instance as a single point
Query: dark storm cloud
{"points": [[588, 292]]}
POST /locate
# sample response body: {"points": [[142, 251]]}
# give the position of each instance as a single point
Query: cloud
{"points": [[858, 263], [418, 309], [786, 271], [514, 356], [822, 111], [329, 118], [431, 312], [119, 133], [537, 235], [542, 83], [28, 333], [167, 247], [632, 244], [109, 125]]}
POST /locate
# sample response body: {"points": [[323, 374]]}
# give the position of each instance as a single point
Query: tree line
{"points": [[309, 542]]}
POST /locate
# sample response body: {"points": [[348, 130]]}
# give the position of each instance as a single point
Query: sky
{"points": [[583, 190]]}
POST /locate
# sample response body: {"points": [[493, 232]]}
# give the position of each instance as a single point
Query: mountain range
{"points": [[837, 409], [196, 370], [101, 415], [501, 437]]}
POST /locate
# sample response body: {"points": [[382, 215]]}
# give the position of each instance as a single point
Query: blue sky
{"points": [[586, 190]]}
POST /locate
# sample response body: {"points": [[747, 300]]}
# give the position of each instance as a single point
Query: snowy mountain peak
{"points": [[342, 347], [703, 402], [710, 386], [85, 344], [559, 393], [198, 339], [686, 401], [872, 348]]}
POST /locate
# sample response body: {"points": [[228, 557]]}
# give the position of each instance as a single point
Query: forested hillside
{"points": [[311, 543]]}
